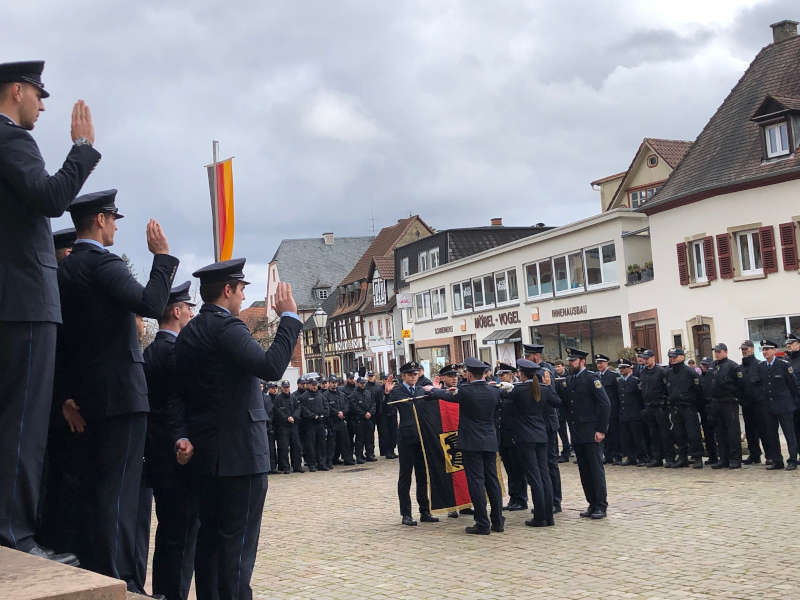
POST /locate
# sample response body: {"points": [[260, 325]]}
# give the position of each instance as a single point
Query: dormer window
{"points": [[776, 137], [379, 291], [322, 293]]}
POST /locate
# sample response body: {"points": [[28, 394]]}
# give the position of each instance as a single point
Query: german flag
{"points": [[220, 182]]}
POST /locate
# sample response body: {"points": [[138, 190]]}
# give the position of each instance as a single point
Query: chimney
{"points": [[497, 222], [328, 238], [783, 30]]}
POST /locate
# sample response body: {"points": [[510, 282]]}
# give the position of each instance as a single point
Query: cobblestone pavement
{"points": [[682, 534]]}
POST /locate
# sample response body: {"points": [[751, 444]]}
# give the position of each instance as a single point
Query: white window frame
{"points": [[378, 291], [509, 300], [541, 294], [781, 130], [422, 305], [603, 283], [441, 299], [433, 258], [422, 262], [698, 262], [484, 305], [322, 293], [752, 234], [404, 267], [570, 290], [462, 285]]}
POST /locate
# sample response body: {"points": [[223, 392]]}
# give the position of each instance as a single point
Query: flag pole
{"points": [[214, 200]]}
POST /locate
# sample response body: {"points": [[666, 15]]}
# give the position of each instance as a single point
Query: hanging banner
{"points": [[220, 182]]}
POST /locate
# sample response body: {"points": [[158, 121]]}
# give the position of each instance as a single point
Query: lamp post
{"points": [[320, 322]]}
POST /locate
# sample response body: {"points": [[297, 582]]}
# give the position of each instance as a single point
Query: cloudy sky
{"points": [[338, 112]]}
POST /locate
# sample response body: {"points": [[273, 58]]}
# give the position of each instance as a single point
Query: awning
{"points": [[504, 336]]}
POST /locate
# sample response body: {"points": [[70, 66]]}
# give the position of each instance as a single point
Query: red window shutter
{"points": [[724, 255], [683, 264], [788, 246], [769, 255], [708, 257]]}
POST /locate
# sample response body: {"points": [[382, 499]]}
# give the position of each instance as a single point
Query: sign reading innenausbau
{"points": [[570, 311]]}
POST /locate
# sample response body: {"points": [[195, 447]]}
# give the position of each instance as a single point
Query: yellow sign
{"points": [[405, 334]]}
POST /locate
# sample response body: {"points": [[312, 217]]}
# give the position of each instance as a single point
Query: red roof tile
{"points": [[671, 151]]}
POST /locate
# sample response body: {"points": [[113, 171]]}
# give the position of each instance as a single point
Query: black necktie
{"points": [[411, 389]]}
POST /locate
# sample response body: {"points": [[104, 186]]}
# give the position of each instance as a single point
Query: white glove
{"points": [[506, 386]]}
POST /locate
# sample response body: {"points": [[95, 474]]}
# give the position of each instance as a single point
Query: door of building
{"points": [[645, 335], [701, 337]]}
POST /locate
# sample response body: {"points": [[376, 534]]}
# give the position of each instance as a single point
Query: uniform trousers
{"points": [[552, 464], [728, 430], [612, 444], [112, 492], [289, 440], [176, 539], [534, 459], [773, 446], [412, 459], [754, 428], [365, 438], [230, 523], [517, 492], [314, 443], [27, 356], [686, 431], [481, 471], [390, 433], [633, 445], [143, 534], [709, 437], [563, 433], [337, 442], [273, 453], [593, 475], [657, 423]]}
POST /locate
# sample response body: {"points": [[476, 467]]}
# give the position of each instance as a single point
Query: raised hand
{"points": [[156, 240], [284, 302], [389, 385], [82, 126]]}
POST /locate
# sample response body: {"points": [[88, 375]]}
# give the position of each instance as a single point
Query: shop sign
{"points": [[505, 318], [535, 313], [570, 311], [463, 325], [404, 301], [440, 330], [405, 334]]}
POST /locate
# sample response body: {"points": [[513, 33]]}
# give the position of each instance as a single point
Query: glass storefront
{"points": [[595, 336], [433, 359], [773, 329]]}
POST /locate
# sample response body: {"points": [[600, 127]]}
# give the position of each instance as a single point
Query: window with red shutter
{"points": [[683, 263], [769, 254], [724, 256], [789, 246], [708, 255]]}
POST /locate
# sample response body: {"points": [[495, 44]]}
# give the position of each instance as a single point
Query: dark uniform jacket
{"points": [[751, 381], [100, 361], [407, 429], [166, 423], [361, 402], [654, 386], [683, 384], [28, 196], [269, 406], [609, 380], [314, 406], [528, 418], [338, 402], [630, 399], [587, 404], [794, 360], [220, 363], [727, 380], [779, 391], [286, 405], [476, 426], [551, 410]]}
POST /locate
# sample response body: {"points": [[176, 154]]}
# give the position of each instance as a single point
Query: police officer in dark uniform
{"points": [[706, 413], [167, 449], [220, 364], [631, 428], [338, 449], [101, 381], [653, 380], [287, 418], [641, 360], [62, 241], [389, 419], [314, 411], [409, 446], [362, 407], [588, 409], [29, 301], [611, 445], [477, 440], [752, 407], [270, 395], [301, 424], [781, 398], [504, 417], [685, 395], [793, 357], [727, 382]]}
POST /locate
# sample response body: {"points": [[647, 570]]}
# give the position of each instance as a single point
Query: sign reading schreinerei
{"points": [[440, 330]]}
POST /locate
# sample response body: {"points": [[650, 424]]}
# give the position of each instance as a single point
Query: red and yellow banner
{"points": [[220, 181]]}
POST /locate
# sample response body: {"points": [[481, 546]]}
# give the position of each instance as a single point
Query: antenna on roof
{"points": [[372, 217]]}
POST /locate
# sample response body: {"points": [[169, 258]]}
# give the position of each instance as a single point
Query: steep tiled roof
{"points": [[728, 153], [380, 246], [371, 309], [309, 263], [672, 151], [469, 241], [608, 178], [385, 266]]}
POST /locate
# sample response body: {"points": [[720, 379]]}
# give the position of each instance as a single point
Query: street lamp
{"points": [[320, 322]]}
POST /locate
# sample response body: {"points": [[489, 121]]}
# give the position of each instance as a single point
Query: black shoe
{"points": [[653, 463], [712, 460], [775, 466], [791, 465], [467, 511], [135, 589], [360, 461], [407, 520], [512, 506], [453, 514], [323, 468], [752, 460], [428, 518], [698, 463], [617, 461], [312, 469], [669, 465], [499, 527], [735, 465], [284, 472], [534, 523], [475, 530], [768, 461], [556, 508], [587, 513], [372, 459], [349, 463], [719, 465], [680, 463], [598, 514], [563, 459], [64, 558], [390, 456], [642, 463]]}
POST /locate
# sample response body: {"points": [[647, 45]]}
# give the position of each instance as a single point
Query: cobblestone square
{"points": [[670, 534]]}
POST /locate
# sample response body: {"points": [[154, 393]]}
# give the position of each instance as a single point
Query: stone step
{"points": [[26, 577]]}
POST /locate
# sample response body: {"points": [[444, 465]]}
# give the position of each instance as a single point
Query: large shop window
{"points": [[601, 265], [595, 336], [462, 296], [568, 273], [771, 328], [483, 292], [749, 246], [539, 278], [433, 359], [506, 285]]}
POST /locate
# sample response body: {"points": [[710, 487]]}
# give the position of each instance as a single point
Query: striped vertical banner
{"points": [[220, 183]]}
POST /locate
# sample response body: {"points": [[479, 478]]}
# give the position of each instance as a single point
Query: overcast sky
{"points": [[340, 111]]}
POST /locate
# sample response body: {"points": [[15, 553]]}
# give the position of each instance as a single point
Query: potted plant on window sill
{"points": [[647, 272], [634, 274]]}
